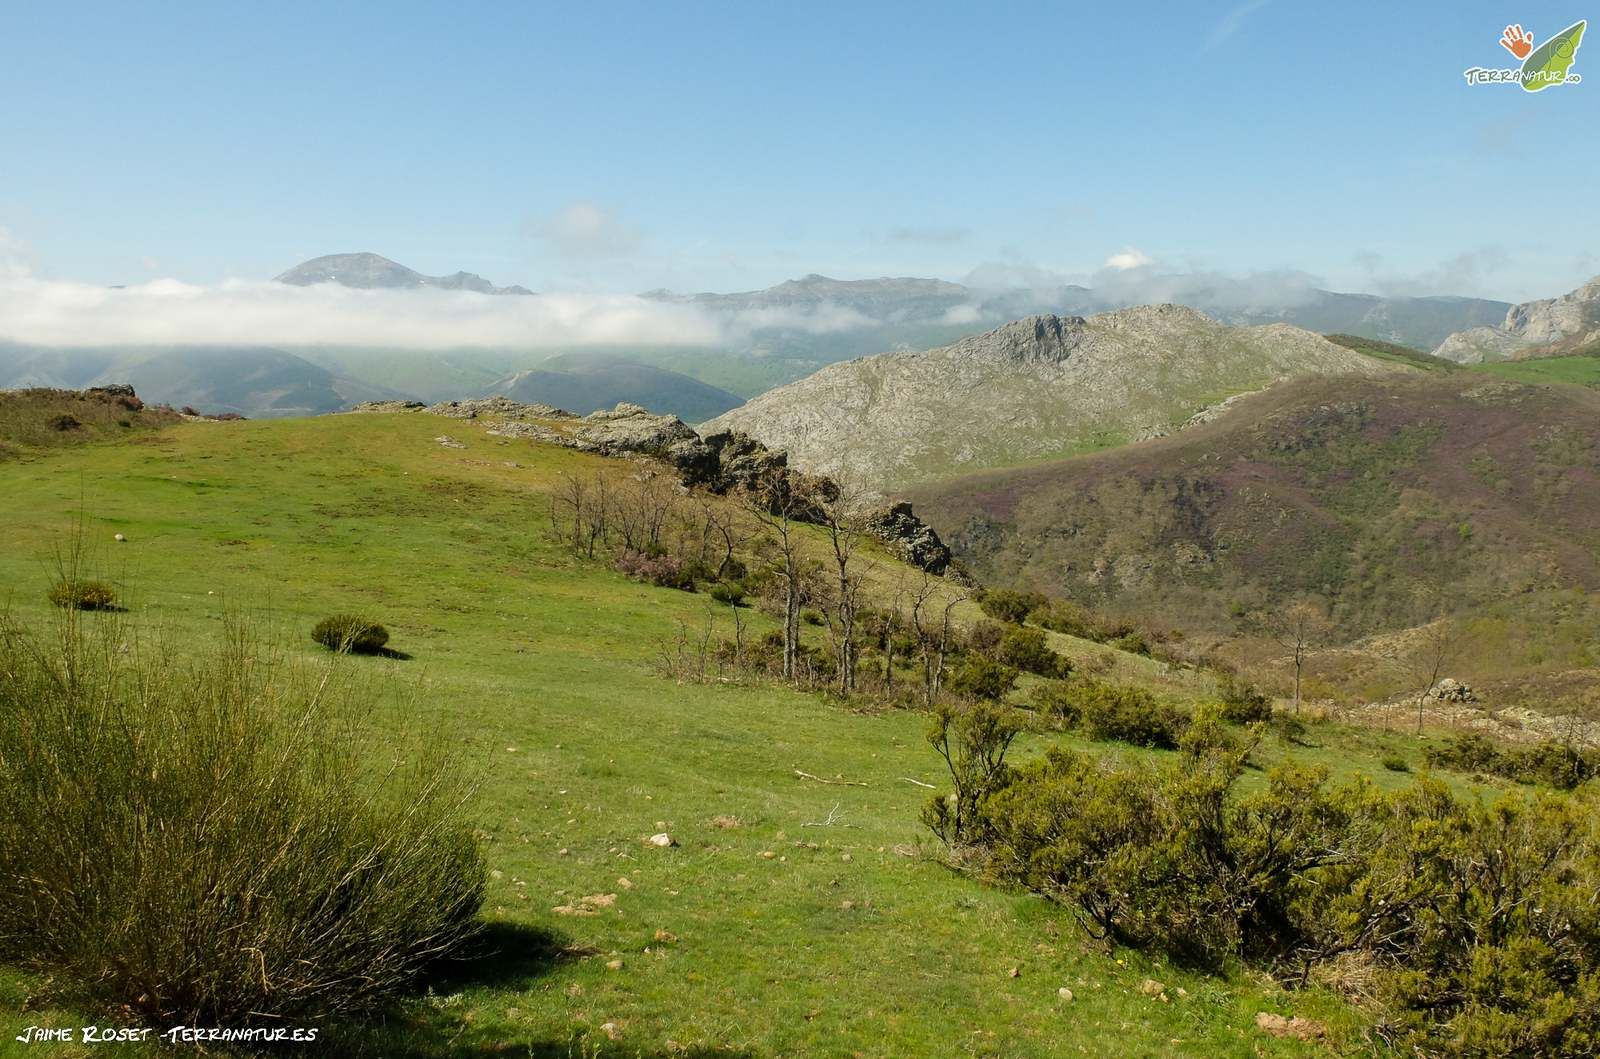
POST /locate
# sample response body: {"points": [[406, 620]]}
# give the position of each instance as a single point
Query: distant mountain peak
{"points": [[369, 271]]}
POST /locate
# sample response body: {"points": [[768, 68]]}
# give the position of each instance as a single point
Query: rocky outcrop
{"points": [[1547, 327], [910, 537], [503, 407], [724, 462]]}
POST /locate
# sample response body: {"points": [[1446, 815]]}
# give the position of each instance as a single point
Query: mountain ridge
{"points": [[365, 270], [1031, 389]]}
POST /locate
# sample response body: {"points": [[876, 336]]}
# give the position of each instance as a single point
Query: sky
{"points": [[612, 148]]}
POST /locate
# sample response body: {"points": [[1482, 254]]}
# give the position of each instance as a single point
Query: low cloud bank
{"points": [[168, 312]]}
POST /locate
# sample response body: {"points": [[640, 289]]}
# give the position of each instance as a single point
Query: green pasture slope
{"points": [[815, 926]]}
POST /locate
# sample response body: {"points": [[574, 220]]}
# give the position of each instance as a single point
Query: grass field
{"points": [[794, 916], [1578, 370]]}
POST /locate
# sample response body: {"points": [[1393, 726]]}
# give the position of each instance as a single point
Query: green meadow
{"points": [[796, 914]]}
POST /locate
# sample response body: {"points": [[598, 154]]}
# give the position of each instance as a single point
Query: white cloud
{"points": [[584, 230], [1128, 258], [1153, 283], [1017, 274], [165, 311], [1462, 274]]}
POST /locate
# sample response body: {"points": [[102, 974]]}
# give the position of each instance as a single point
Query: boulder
{"points": [[1451, 690]]}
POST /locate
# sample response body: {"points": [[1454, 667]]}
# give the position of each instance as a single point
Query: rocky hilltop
{"points": [[1038, 387], [724, 461], [367, 271], [1547, 327]]}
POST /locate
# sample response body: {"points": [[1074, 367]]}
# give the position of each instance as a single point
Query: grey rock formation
{"points": [[367, 271], [913, 539], [1038, 387], [1545, 327]]}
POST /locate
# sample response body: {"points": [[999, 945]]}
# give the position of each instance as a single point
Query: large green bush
{"points": [[1008, 605], [1478, 924], [978, 677], [219, 839], [1029, 650], [1128, 714]]}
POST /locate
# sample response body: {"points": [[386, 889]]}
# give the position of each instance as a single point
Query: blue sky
{"points": [[697, 146]]}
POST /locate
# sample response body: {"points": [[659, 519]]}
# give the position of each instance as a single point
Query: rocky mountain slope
{"points": [[1388, 496], [1547, 327], [1040, 387], [368, 271]]}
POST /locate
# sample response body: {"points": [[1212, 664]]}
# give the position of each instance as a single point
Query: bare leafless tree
{"points": [[1436, 647], [779, 512], [931, 624], [724, 530], [844, 517], [1299, 628]]}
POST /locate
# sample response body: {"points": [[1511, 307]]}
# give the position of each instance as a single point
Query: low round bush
{"points": [[81, 594], [1029, 651], [348, 632]]}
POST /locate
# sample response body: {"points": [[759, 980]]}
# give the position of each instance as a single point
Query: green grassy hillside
{"points": [[1580, 369], [795, 916]]}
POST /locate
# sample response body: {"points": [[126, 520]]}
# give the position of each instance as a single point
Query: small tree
{"points": [[973, 743]]}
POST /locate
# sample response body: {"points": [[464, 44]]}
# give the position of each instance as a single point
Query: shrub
{"points": [[1057, 701], [1242, 701], [262, 857], [1396, 763], [1550, 764], [978, 677], [663, 571], [1063, 617], [984, 637], [1476, 923], [1029, 651], [1132, 642], [1129, 715], [728, 593], [77, 593], [1007, 605], [64, 422], [348, 632]]}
